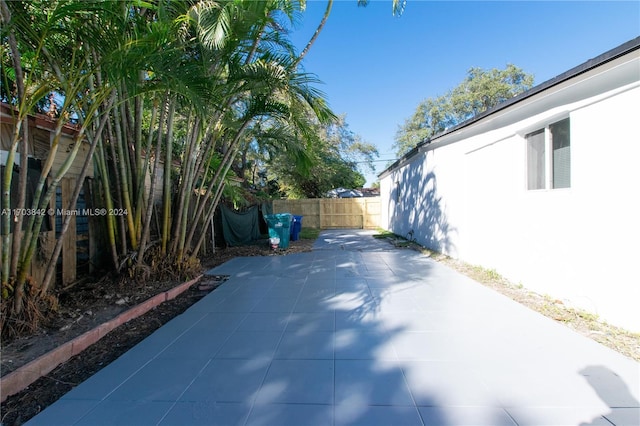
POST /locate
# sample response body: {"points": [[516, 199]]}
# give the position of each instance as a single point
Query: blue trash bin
{"points": [[279, 227], [296, 227]]}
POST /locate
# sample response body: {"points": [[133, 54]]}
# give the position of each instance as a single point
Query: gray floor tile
{"points": [[308, 322], [227, 380], [275, 304], [624, 416], [106, 380], [366, 319], [162, 379], [264, 321], [185, 320], [291, 415], [321, 275], [316, 292], [352, 283], [612, 388], [203, 413], [64, 412], [428, 346], [396, 303], [408, 321], [371, 415], [370, 382], [203, 345], [351, 301], [312, 305], [126, 413], [569, 416], [306, 345], [219, 321], [289, 283], [465, 416], [212, 301], [237, 303], [296, 381], [359, 344], [250, 344], [539, 385], [446, 384]]}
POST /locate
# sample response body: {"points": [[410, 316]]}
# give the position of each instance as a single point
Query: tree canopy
{"points": [[333, 158], [480, 90], [165, 94]]}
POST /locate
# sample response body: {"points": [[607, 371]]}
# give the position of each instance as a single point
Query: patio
{"points": [[356, 332]]}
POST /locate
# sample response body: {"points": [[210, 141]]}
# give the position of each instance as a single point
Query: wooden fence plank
{"points": [[331, 213]]}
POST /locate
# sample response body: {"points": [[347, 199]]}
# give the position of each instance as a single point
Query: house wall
{"points": [[466, 196], [41, 135]]}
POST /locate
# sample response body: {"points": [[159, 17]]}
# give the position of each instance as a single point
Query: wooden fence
{"points": [[331, 213]]}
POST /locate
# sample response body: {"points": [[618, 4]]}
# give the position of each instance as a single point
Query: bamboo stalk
{"points": [[166, 212], [47, 280], [147, 221]]}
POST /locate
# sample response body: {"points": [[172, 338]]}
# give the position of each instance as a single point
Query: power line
{"points": [[376, 161]]}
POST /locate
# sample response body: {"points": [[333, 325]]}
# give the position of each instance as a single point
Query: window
{"points": [[549, 157], [561, 145], [535, 160]]}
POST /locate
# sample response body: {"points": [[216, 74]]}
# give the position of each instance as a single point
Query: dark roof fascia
{"points": [[402, 160], [9, 113], [600, 60]]}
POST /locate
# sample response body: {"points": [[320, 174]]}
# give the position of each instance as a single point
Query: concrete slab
{"points": [[357, 332]]}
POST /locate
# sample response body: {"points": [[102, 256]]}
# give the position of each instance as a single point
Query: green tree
{"points": [[397, 6], [44, 43], [157, 86], [480, 91], [335, 157]]}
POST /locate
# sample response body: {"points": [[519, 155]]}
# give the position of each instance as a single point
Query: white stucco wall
{"points": [[467, 197]]}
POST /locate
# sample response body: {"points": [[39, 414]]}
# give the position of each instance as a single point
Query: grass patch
{"points": [[309, 233], [384, 234]]}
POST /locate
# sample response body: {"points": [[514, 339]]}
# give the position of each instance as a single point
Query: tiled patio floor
{"points": [[356, 332]]}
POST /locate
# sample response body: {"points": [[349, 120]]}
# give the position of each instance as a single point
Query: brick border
{"points": [[22, 377]]}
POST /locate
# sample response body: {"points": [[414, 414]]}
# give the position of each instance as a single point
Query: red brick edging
{"points": [[22, 377]]}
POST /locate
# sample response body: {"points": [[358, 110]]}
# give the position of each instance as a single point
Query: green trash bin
{"points": [[279, 227]]}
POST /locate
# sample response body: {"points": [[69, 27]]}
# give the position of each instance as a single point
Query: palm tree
{"points": [[41, 33], [174, 87], [397, 6]]}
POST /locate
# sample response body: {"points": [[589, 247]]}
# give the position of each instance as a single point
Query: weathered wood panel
{"points": [[65, 147], [331, 213], [308, 208]]}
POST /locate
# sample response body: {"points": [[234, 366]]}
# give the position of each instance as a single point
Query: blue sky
{"points": [[376, 68]]}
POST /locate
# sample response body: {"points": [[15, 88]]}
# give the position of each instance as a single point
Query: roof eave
{"points": [[590, 64]]}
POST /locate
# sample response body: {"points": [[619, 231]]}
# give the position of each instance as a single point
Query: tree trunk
{"points": [[122, 162], [118, 182], [150, 205], [7, 267], [166, 212], [218, 176], [313, 39], [101, 162], [48, 276]]}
